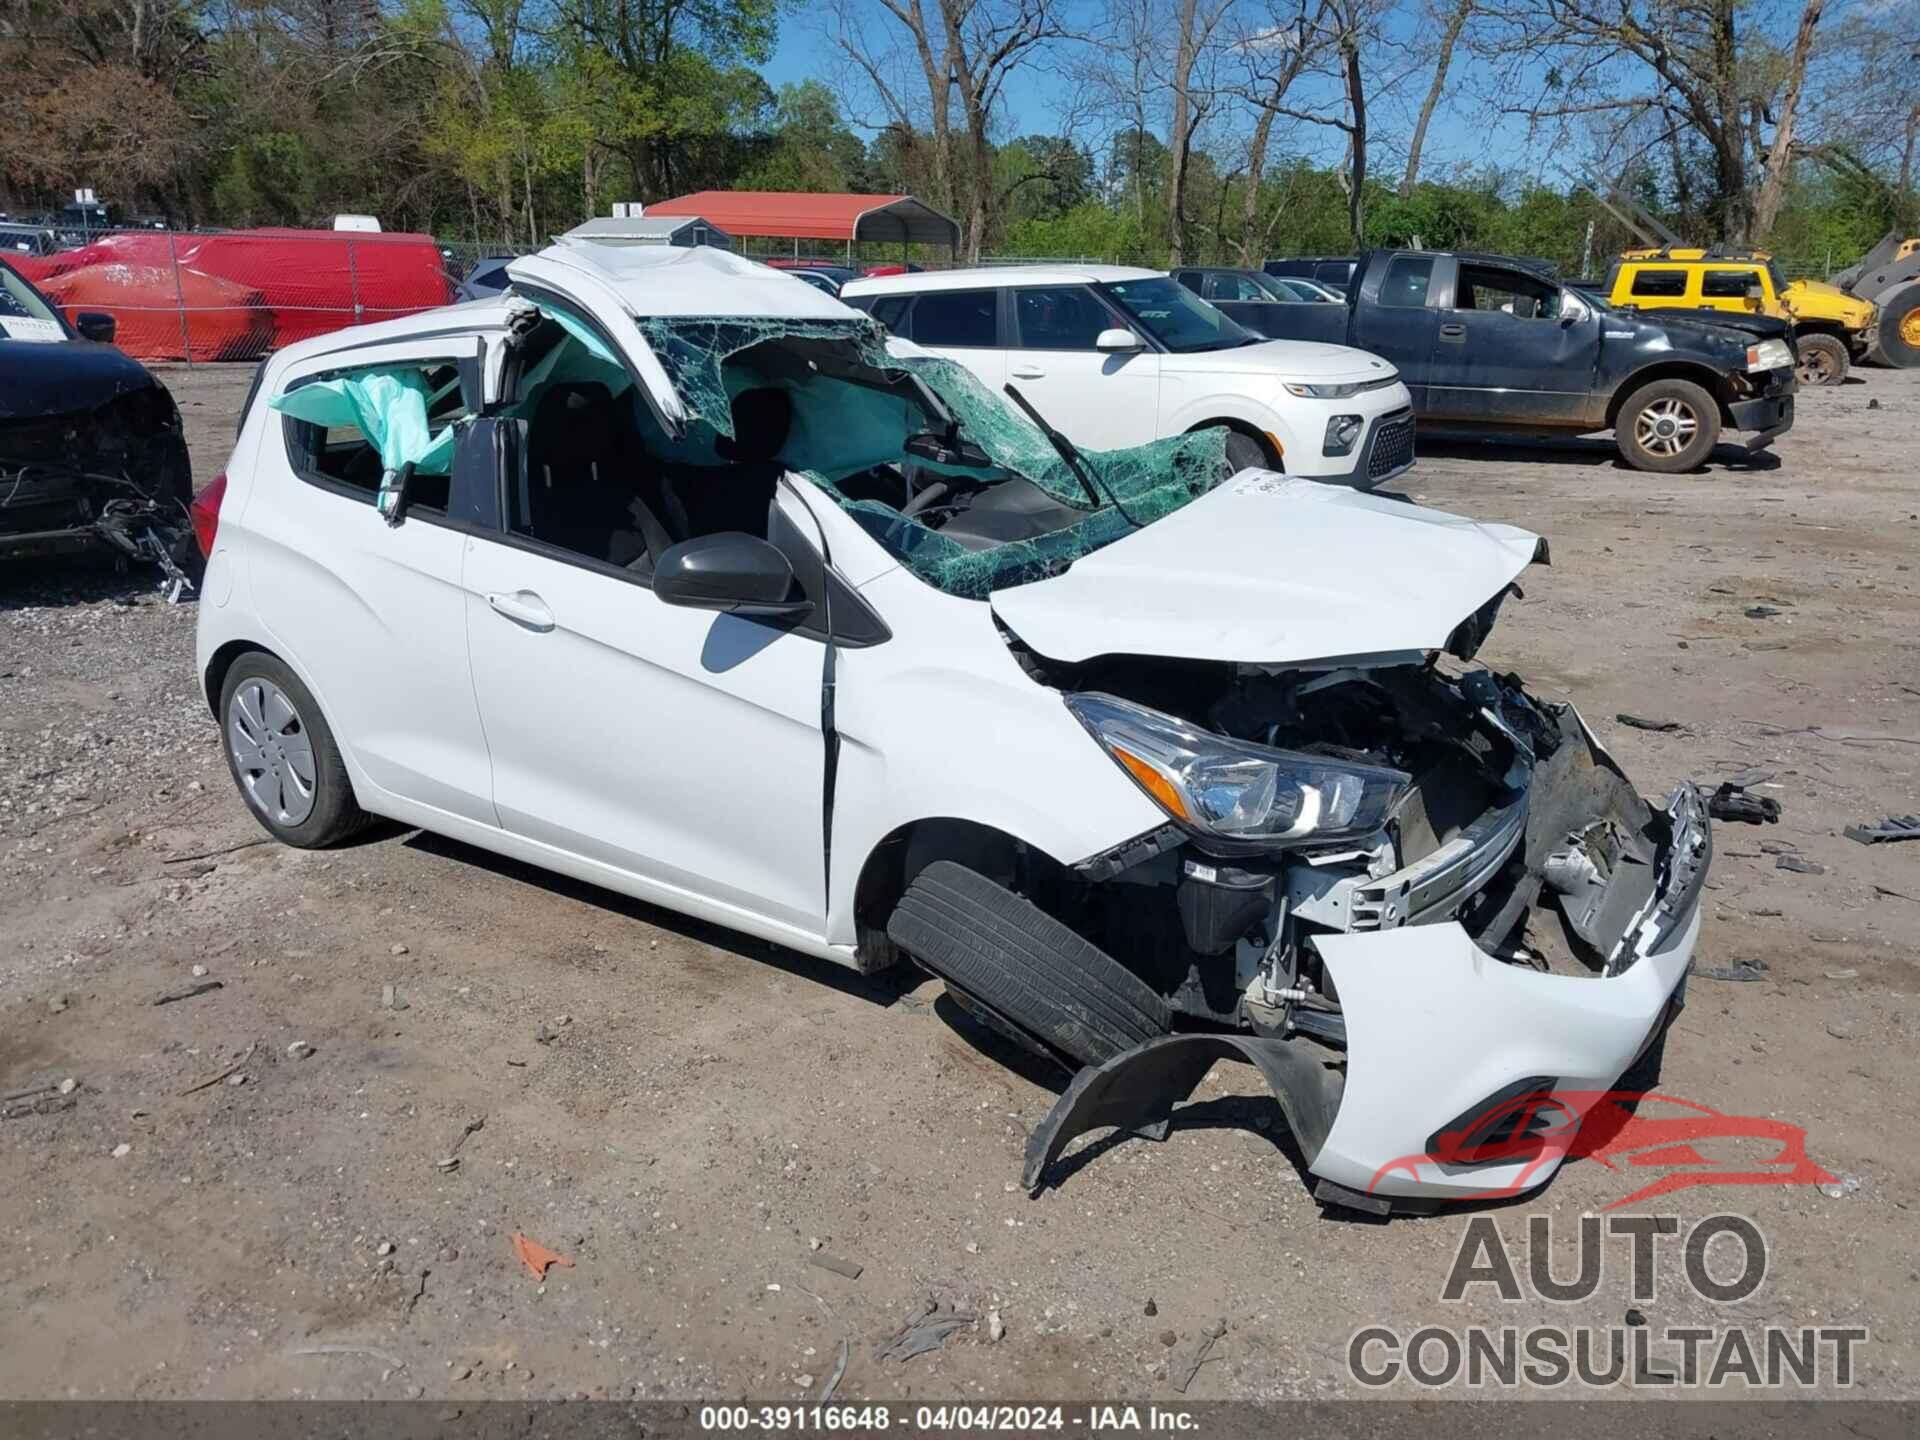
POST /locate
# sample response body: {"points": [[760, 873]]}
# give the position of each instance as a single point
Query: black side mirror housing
{"points": [[731, 571], [96, 325]]}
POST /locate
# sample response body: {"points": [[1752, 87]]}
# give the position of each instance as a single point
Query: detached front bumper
{"points": [[1466, 1077], [1443, 1040], [1767, 415]]}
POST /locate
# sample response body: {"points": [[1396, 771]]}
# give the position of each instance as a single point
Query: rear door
{"points": [[1508, 354], [1095, 398], [372, 615], [1395, 317], [963, 325]]}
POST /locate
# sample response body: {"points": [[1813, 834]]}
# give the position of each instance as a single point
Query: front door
{"points": [[1098, 399], [680, 746], [1508, 353]]}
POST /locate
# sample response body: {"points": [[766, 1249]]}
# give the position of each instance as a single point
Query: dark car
{"points": [[1333, 271], [822, 277], [1489, 344], [92, 453], [484, 279], [1249, 296]]}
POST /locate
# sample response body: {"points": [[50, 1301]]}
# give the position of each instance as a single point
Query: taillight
{"points": [[205, 511]]}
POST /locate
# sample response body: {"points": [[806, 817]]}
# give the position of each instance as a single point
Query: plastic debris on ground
{"points": [[927, 1329], [1732, 802], [536, 1257], [1889, 830]]}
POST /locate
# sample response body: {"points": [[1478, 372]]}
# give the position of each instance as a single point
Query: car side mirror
{"points": [[731, 571], [96, 325], [1573, 309], [1118, 340]]}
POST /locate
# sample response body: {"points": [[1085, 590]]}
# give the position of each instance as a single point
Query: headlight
{"points": [[1336, 392], [1769, 355], [1235, 790]]}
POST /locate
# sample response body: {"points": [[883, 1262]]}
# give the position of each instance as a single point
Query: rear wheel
{"points": [[1822, 360], [1005, 956], [282, 755], [1668, 426]]}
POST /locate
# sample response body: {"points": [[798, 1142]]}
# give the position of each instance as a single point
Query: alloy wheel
{"points": [[1665, 427]]}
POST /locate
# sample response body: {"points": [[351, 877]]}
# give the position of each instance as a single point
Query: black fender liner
{"points": [[1138, 1088]]}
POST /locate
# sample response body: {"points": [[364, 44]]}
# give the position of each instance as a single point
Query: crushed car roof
{"points": [[697, 280]]}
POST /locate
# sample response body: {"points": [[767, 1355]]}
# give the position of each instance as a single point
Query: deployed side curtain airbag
{"points": [[387, 406]]}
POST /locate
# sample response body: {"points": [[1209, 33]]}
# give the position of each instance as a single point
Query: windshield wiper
{"points": [[1062, 446], [1074, 460]]}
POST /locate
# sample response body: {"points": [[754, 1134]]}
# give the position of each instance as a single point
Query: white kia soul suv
{"points": [[1117, 356]]}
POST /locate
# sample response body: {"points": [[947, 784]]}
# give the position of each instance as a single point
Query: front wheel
{"points": [[1244, 452], [1822, 360], [282, 755], [1668, 427]]}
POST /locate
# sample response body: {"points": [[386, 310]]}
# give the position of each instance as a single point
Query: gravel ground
{"points": [[687, 1114]]}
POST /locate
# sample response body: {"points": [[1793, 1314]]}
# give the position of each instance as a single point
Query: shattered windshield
{"points": [[1175, 316], [944, 474]]}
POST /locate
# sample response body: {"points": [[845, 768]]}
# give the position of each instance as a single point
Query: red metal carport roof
{"points": [[816, 217]]}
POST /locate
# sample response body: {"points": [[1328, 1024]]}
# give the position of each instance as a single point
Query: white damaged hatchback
{"points": [[671, 574]]}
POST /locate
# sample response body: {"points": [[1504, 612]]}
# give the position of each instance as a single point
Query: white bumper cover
{"points": [[1436, 1028]]}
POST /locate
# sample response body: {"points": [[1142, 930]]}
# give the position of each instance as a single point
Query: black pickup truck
{"points": [[1490, 344]]}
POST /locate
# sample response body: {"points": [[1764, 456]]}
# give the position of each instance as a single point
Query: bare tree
{"points": [[1443, 61], [1196, 26], [1779, 159], [1272, 48], [964, 50]]}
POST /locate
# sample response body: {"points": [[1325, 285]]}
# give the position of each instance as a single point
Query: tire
{"points": [[1897, 340], [1012, 958], [1822, 360], [1247, 452], [262, 697], [1638, 430]]}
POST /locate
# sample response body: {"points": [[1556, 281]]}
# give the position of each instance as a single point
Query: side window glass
{"points": [[1064, 317], [1506, 292], [335, 429], [1661, 283], [1194, 281], [965, 319], [1406, 282], [891, 310], [1728, 284], [1341, 273]]}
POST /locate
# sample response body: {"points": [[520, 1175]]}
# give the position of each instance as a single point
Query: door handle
{"points": [[1028, 372], [1453, 332], [523, 607]]}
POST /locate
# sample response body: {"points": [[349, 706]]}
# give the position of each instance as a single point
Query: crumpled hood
{"points": [[68, 378], [1272, 570], [1306, 360]]}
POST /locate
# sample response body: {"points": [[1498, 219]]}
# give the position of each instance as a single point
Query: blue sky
{"points": [[1032, 95]]}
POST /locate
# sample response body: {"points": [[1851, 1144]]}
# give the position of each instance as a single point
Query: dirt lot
{"points": [[685, 1114]]}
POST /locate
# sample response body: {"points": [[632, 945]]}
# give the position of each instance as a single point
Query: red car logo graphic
{"points": [[1625, 1130]]}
